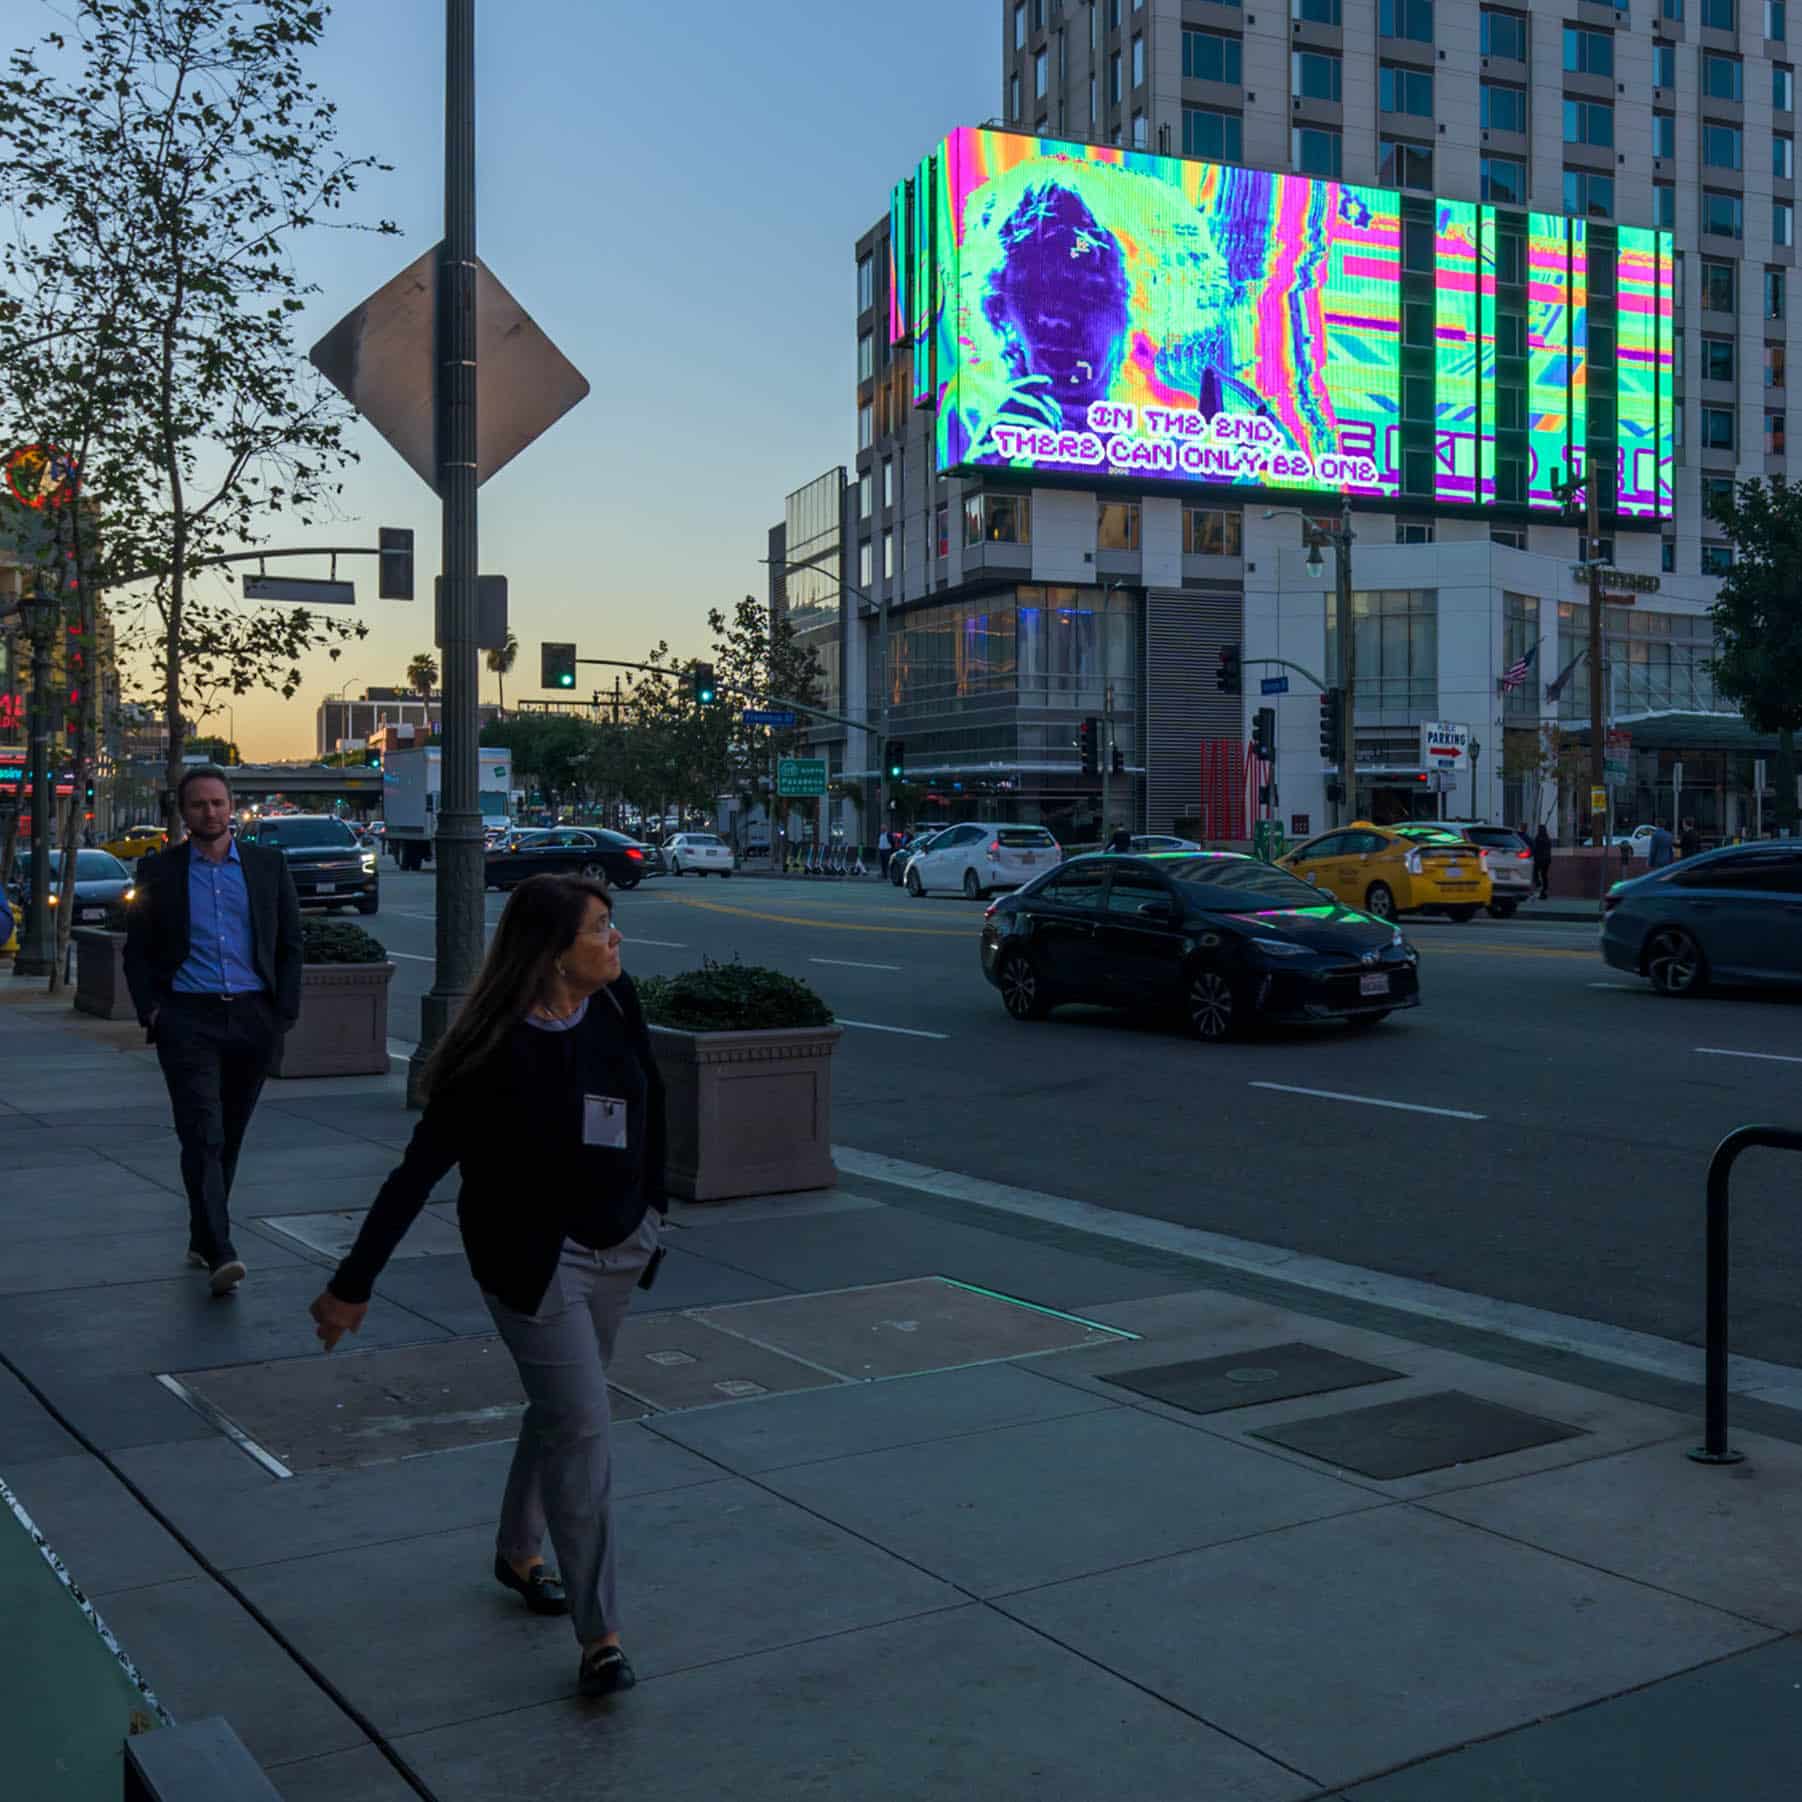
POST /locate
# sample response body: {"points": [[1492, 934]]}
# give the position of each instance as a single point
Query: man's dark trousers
{"points": [[215, 1051]]}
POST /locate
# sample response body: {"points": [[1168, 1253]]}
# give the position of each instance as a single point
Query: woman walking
{"points": [[545, 1093], [1542, 862]]}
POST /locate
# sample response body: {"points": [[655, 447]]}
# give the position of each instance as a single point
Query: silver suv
{"points": [[1510, 862]]}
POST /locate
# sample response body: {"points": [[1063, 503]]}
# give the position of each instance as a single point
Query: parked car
{"points": [[1385, 872], [331, 867], [100, 880], [1510, 857], [977, 859], [1731, 917], [1145, 843], [137, 841], [572, 851], [1220, 940], [904, 854], [705, 853]]}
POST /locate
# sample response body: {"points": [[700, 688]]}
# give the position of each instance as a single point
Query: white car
{"points": [[705, 853], [975, 858]]}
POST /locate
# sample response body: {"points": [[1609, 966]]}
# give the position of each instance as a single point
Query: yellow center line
{"points": [[753, 913], [1427, 951]]}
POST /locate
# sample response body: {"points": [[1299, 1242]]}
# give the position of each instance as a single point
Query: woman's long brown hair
{"points": [[539, 923]]}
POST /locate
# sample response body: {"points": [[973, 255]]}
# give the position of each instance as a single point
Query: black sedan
{"points": [[1221, 940], [330, 865], [572, 851], [100, 880]]}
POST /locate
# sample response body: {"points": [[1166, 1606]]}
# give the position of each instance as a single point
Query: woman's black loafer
{"points": [[542, 1589], [605, 1671]]}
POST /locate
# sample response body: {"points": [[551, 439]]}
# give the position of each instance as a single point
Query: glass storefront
{"points": [[1396, 637], [813, 581]]}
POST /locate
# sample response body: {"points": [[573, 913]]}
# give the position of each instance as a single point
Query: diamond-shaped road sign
{"points": [[380, 357]]}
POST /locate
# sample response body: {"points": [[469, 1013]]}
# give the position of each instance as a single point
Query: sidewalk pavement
{"points": [[917, 1498]]}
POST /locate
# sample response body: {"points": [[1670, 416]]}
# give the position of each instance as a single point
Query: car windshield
{"points": [[90, 866], [290, 835], [1231, 884]]}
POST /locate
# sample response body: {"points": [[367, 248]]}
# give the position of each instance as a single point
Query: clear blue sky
{"points": [[674, 193]]}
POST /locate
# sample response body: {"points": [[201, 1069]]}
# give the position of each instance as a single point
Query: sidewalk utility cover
{"points": [[1271, 1373], [1402, 1439]]}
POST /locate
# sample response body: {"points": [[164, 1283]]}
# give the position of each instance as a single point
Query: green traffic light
{"points": [[567, 679]]}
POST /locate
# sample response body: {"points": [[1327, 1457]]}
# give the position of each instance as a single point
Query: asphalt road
{"points": [[1565, 1170]]}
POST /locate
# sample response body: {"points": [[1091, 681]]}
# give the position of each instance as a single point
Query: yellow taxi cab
{"points": [[1386, 872], [137, 841]]}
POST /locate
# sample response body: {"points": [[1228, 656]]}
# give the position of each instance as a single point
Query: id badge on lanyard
{"points": [[604, 1121]]}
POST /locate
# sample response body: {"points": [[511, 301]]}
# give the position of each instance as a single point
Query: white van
{"points": [[975, 858]]}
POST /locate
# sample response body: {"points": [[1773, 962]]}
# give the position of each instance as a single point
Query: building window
{"points": [[1776, 20], [1671, 9], [1664, 65], [1717, 428], [1314, 151], [1588, 52], [1718, 287], [1719, 15], [1775, 292], [1404, 165], [1722, 145], [1775, 364], [1717, 359], [1664, 134], [1721, 76], [1138, 60], [1667, 556], [1212, 56], [888, 483], [1774, 435], [1113, 79], [865, 487], [1783, 156], [1717, 491], [1117, 528], [1211, 532], [1504, 109], [866, 283], [1316, 75], [1411, 19], [1013, 96], [866, 422], [1783, 223], [1723, 214], [1504, 34], [1520, 636], [1216, 136], [1413, 531], [997, 519], [1398, 652], [941, 529], [1020, 25], [1504, 180], [866, 356], [1783, 87], [1587, 192], [1318, 12], [1038, 15], [1141, 135], [866, 563], [1405, 90], [1717, 559], [1094, 111], [1513, 538], [888, 555], [1041, 75], [1589, 122], [1664, 205]]}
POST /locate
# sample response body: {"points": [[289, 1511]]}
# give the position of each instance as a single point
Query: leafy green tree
{"points": [[422, 674], [501, 658], [1757, 618], [158, 161], [554, 749]]}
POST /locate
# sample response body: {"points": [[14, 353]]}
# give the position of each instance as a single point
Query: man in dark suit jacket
{"points": [[213, 958]]}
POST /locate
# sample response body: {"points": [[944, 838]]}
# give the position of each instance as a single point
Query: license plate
{"points": [[325, 888], [1373, 985], [1029, 858], [91, 913], [1455, 871]]}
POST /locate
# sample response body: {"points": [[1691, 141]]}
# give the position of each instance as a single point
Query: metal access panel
{"points": [[1248, 1379]]}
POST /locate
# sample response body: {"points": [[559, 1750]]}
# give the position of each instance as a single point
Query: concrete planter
{"points": [[343, 1024], [100, 974], [750, 1113]]}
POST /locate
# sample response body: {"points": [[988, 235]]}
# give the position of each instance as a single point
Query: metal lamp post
{"points": [[36, 955], [1339, 540]]}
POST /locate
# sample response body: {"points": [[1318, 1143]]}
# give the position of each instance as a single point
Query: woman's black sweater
{"points": [[514, 1125]]}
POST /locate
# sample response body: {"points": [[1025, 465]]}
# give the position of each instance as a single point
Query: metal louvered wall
{"points": [[1184, 632]]}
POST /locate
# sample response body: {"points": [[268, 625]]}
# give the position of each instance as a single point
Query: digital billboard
{"points": [[1088, 309]]}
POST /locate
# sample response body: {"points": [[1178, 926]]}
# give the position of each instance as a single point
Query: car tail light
{"points": [[1483, 862], [636, 855], [1523, 855], [987, 911], [1412, 864], [994, 847]]}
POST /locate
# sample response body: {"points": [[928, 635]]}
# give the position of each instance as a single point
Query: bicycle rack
{"points": [[1714, 1448]]}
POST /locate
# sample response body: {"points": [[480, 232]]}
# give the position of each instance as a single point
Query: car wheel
{"points": [[1463, 915], [1212, 1005], [675, 868], [369, 906], [972, 888], [725, 875], [915, 886], [1380, 901], [1674, 962], [1022, 994], [631, 881], [593, 872], [1502, 910], [1364, 1022]]}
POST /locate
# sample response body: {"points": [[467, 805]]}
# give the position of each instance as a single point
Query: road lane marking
{"points": [[753, 913], [1406, 1107], [632, 938], [412, 957], [907, 1032], [1763, 1057], [845, 963], [1630, 988]]}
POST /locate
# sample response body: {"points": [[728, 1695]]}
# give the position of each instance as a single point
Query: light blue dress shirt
{"points": [[221, 956]]}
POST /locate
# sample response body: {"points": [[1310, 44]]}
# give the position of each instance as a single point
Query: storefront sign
{"points": [[1444, 745]]}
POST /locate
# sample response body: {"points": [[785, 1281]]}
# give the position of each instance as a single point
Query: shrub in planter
{"points": [[746, 1055], [343, 1024]]}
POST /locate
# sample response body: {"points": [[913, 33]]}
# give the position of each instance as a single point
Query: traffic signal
{"points": [[394, 564], [1088, 738], [1227, 679], [897, 760], [556, 666], [90, 794], [1332, 723], [1119, 761], [700, 683], [1263, 734]]}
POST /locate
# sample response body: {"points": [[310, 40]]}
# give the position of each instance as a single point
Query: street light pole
{"points": [[36, 955], [458, 847], [1348, 666]]}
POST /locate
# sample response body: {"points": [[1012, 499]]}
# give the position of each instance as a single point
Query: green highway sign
{"points": [[801, 776]]}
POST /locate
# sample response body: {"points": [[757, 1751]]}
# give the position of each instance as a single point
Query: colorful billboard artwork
{"points": [[1133, 314], [1644, 365]]}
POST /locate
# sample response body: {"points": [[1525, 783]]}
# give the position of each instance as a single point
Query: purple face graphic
{"points": [[1060, 301]]}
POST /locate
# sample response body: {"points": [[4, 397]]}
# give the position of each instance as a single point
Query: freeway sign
{"points": [[1273, 685], [801, 776], [768, 716]]}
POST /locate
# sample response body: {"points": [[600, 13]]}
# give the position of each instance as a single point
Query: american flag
{"points": [[1516, 672]]}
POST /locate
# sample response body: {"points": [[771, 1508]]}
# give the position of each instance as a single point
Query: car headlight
{"points": [[368, 863], [131, 894], [1280, 948], [1398, 943], [52, 898], [1412, 864]]}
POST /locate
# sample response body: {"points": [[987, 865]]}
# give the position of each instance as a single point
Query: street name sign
{"points": [[1273, 685], [767, 716], [801, 776], [301, 591]]}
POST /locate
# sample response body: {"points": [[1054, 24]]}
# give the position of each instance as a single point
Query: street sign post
{"points": [[1273, 685], [300, 591], [801, 776], [491, 612], [767, 716]]}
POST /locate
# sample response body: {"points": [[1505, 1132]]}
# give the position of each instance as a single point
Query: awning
{"points": [[1686, 731]]}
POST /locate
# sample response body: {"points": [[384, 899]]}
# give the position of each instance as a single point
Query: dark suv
{"points": [[330, 867]]}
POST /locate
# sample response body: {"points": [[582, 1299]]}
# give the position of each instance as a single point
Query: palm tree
{"points": [[422, 674], [501, 660]]}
